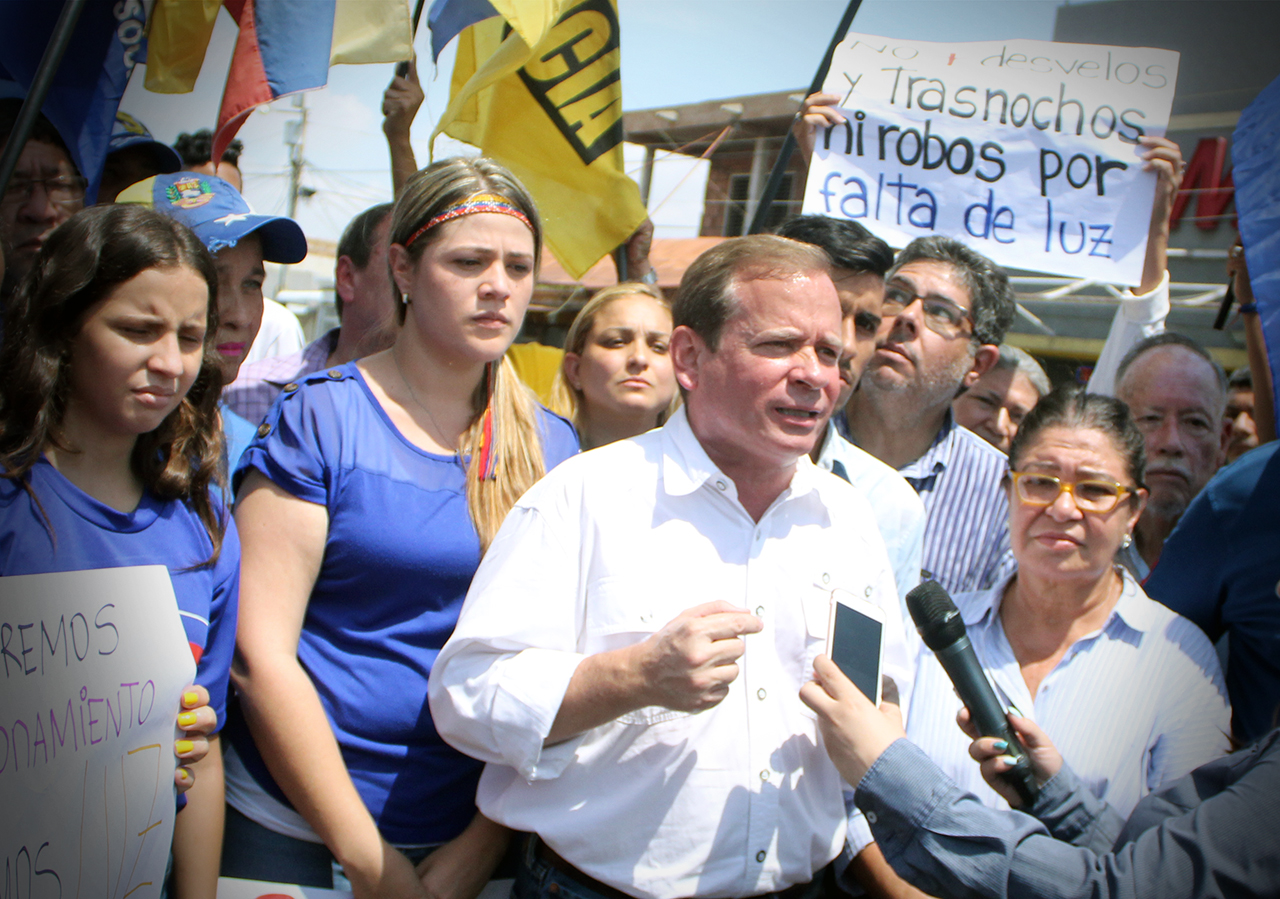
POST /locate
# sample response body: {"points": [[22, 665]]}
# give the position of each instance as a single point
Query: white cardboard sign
{"points": [[1025, 150], [92, 668]]}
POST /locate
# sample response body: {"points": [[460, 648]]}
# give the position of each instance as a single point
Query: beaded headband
{"points": [[473, 204]]}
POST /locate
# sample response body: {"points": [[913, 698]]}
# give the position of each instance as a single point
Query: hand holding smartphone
{"points": [[855, 641]]}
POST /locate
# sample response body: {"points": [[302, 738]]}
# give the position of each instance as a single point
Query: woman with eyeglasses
{"points": [[1130, 692]]}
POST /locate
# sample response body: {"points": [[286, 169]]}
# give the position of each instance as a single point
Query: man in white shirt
{"points": [[629, 657]]}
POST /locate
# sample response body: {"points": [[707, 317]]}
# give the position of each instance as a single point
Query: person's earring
{"points": [[1127, 541]]}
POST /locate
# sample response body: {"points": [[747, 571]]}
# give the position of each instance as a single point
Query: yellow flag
{"points": [[553, 115], [176, 42], [371, 31]]}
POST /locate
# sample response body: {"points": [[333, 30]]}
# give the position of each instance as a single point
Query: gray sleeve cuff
{"points": [[1074, 815]]}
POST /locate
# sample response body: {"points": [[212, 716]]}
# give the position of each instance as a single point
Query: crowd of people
{"points": [[446, 634]]}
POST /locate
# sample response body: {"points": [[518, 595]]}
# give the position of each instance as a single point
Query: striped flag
{"points": [[284, 46]]}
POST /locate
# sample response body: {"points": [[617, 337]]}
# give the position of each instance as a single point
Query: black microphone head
{"points": [[936, 616]]}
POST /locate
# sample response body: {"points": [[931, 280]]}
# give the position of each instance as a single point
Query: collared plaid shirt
{"points": [[259, 383]]}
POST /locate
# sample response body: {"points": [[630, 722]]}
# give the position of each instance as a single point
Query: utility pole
{"points": [[293, 136]]}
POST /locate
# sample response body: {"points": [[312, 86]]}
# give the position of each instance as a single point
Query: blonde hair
{"points": [[517, 445], [567, 399]]}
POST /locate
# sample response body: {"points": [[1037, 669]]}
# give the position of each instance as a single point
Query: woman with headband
{"points": [[365, 505]]}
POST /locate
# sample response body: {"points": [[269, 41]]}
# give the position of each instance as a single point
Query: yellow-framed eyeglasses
{"points": [[1037, 489]]}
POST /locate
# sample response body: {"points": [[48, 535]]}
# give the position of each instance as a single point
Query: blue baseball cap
{"points": [[128, 132], [219, 216]]}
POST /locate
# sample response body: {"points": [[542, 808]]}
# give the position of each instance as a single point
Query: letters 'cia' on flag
{"points": [[284, 46], [551, 111]]}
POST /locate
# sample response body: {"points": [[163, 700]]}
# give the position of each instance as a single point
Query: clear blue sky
{"points": [[674, 51]]}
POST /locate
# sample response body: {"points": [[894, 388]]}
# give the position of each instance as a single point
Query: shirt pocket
{"points": [[622, 611], [810, 633]]}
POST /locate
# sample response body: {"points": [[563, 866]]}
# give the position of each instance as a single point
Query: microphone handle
{"points": [[962, 666]]}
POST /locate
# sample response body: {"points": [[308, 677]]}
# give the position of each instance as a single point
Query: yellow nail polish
{"points": [[184, 746], [190, 698], [186, 719], [182, 774]]}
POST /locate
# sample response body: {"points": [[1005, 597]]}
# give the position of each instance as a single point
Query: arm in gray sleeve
{"points": [[1074, 815], [947, 843]]}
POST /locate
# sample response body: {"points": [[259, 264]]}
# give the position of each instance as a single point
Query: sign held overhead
{"points": [[1026, 150]]}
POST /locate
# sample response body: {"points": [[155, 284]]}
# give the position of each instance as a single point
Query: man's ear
{"points": [[402, 267], [344, 279], [983, 360], [688, 352], [1224, 441]]}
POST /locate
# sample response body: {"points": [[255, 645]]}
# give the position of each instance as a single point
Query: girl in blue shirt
{"points": [[110, 446], [365, 505]]}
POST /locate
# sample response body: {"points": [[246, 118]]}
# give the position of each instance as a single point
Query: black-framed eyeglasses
{"points": [[61, 189], [1037, 489], [941, 316]]}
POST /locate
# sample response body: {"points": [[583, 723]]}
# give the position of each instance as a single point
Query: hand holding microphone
{"points": [[942, 629]]}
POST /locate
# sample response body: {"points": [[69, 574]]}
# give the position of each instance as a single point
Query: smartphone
{"points": [[855, 641]]}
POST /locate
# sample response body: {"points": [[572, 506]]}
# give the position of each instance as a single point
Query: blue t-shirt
{"points": [[1221, 568], [90, 534], [398, 560]]}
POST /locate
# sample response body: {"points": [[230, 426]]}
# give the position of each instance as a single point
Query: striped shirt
{"points": [[1131, 706], [255, 389], [966, 534]]}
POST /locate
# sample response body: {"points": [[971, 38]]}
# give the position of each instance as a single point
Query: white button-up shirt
{"points": [[613, 544], [898, 509], [1131, 707]]}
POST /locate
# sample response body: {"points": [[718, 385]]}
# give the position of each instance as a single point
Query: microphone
{"points": [[942, 629]]}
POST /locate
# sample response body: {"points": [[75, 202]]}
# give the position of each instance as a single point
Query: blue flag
{"points": [[448, 18], [86, 91], [1255, 152]]}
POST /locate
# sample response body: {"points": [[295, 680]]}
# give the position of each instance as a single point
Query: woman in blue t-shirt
{"points": [[365, 505], [110, 448]]}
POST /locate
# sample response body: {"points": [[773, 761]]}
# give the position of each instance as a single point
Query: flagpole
{"points": [[402, 69], [49, 62], [789, 144]]}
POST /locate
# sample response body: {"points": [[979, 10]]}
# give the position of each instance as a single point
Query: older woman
{"points": [[616, 380], [1129, 691]]}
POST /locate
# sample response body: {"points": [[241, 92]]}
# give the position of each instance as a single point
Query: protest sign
{"points": [[1025, 150], [92, 667]]}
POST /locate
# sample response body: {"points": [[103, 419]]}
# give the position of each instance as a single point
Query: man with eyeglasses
{"points": [[45, 191], [946, 309]]}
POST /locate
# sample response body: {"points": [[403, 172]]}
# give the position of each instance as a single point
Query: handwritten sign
{"points": [[1025, 150], [92, 667]]}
